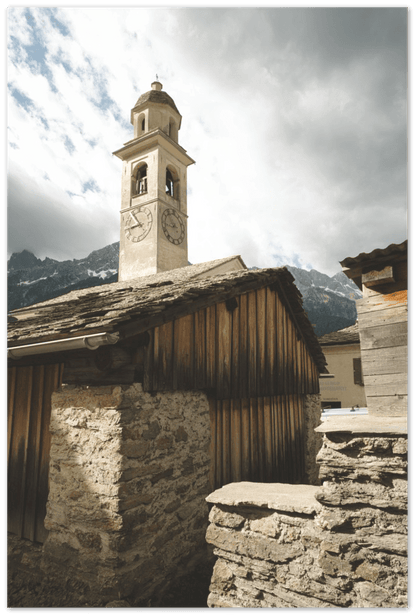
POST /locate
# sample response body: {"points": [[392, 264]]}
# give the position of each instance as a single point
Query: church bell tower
{"points": [[153, 216]]}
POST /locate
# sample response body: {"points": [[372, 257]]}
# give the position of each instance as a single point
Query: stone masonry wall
{"points": [[313, 441], [128, 480], [341, 545]]}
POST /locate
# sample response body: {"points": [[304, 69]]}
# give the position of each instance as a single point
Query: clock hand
{"points": [[138, 224]]}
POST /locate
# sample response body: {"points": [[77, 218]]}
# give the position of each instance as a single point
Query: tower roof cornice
{"points": [[152, 139]]}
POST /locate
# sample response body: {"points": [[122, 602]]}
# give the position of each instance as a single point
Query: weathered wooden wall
{"points": [[382, 317], [28, 441], [247, 347], [257, 439]]}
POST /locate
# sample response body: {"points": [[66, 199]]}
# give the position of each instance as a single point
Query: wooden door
{"points": [[30, 391]]}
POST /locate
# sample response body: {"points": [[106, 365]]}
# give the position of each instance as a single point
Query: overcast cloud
{"points": [[296, 119]]}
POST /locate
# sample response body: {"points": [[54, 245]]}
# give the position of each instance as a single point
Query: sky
{"points": [[296, 118]]}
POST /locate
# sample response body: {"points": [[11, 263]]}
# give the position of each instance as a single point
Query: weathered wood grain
{"points": [[389, 335], [390, 360], [183, 353], [34, 446], [28, 467], [200, 372], [386, 384], [377, 277], [224, 349], [395, 406], [243, 356], [245, 439], [252, 344], [261, 308], [235, 440]]}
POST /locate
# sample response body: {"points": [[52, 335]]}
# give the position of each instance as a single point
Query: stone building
{"points": [[343, 355], [128, 403], [344, 545]]}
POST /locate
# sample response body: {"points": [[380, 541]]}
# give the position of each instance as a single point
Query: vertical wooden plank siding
{"points": [[254, 440], [34, 442], [200, 349], [29, 406], [210, 346], [26, 419], [261, 308], [257, 439], [268, 441], [224, 350], [270, 333], [148, 367], [252, 344], [245, 440], [235, 353], [236, 433], [163, 347], [250, 350], [261, 403], [11, 392], [183, 353], [243, 348]]}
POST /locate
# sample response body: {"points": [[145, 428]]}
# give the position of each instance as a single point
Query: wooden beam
{"points": [[375, 278]]}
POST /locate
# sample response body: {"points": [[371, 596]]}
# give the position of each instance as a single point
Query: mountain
{"points": [[329, 301], [32, 280]]}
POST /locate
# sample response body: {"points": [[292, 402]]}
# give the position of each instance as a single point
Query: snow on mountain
{"points": [[32, 280], [328, 301]]}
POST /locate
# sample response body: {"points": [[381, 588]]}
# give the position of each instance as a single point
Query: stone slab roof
{"points": [[134, 306], [348, 335]]}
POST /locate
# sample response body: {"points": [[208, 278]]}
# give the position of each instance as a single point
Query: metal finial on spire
{"points": [[157, 78]]}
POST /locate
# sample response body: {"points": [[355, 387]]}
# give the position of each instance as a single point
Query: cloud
{"points": [[296, 119]]}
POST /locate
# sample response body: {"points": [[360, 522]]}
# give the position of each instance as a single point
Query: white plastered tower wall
{"points": [[153, 216]]}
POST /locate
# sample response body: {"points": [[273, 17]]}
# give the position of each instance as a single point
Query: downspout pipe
{"points": [[92, 342]]}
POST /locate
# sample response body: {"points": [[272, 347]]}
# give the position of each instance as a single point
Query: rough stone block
{"points": [[225, 518]]}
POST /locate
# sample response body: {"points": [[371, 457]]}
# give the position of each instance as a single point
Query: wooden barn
{"points": [[382, 319], [242, 337]]}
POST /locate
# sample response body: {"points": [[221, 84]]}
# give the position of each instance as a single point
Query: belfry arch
{"points": [[139, 180]]}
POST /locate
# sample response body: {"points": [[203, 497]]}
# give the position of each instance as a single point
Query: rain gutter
{"points": [[92, 342]]}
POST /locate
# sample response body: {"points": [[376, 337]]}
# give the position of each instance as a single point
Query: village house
{"points": [[345, 544], [128, 403], [343, 387]]}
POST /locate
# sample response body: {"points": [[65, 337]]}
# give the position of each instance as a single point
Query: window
{"points": [[331, 405], [358, 373], [173, 130], [143, 125], [140, 180]]}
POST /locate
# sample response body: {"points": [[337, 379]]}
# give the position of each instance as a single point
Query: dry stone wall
{"points": [[128, 480], [341, 545]]}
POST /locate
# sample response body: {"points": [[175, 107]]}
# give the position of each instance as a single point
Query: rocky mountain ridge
{"points": [[329, 301]]}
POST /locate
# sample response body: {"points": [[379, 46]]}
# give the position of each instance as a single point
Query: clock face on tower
{"points": [[137, 223], [173, 226]]}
